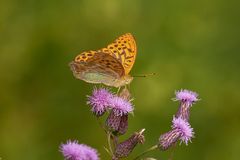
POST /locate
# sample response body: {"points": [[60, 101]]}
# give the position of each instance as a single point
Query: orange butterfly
{"points": [[110, 65]]}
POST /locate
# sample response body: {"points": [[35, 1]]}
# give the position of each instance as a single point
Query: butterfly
{"points": [[110, 65]]}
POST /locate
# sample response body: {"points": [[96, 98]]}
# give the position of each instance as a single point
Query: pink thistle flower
{"points": [[99, 101], [184, 128], [187, 99], [120, 106], [74, 151], [186, 96], [181, 130], [117, 120]]}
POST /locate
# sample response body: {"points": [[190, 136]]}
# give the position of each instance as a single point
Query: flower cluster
{"points": [[102, 100], [181, 129], [116, 123], [118, 107], [74, 151]]}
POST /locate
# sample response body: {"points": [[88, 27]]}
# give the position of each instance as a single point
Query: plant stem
{"points": [[109, 143], [115, 141], [171, 155], [146, 151]]}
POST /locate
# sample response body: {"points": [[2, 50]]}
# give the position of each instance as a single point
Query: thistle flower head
{"points": [[74, 151], [99, 100], [180, 130], [121, 106], [184, 128], [186, 96]]}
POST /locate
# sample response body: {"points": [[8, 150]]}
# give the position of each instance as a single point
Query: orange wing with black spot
{"points": [[124, 49], [85, 56]]}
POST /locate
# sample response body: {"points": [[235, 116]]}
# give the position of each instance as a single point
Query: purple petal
{"points": [[121, 106], [185, 129], [186, 96], [74, 151], [99, 100]]}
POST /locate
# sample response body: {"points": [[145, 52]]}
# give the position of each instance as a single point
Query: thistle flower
{"points": [[125, 148], [120, 106], [74, 151], [99, 101], [185, 129], [186, 96], [180, 130], [117, 120], [187, 99]]}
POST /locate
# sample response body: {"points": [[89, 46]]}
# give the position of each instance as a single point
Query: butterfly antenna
{"points": [[145, 75]]}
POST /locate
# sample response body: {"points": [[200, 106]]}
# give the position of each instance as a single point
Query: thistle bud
{"points": [[113, 121], [123, 149], [123, 126], [117, 120]]}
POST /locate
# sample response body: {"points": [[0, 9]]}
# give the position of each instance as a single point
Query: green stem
{"points": [[171, 155], [110, 151], [109, 143], [146, 151], [115, 141]]}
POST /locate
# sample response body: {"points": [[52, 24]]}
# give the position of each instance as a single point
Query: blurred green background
{"points": [[189, 44]]}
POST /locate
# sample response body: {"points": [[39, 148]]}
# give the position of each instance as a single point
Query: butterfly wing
{"points": [[124, 49], [97, 67]]}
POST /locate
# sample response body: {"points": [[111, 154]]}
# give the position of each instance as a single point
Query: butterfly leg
{"points": [[119, 88], [127, 86]]}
